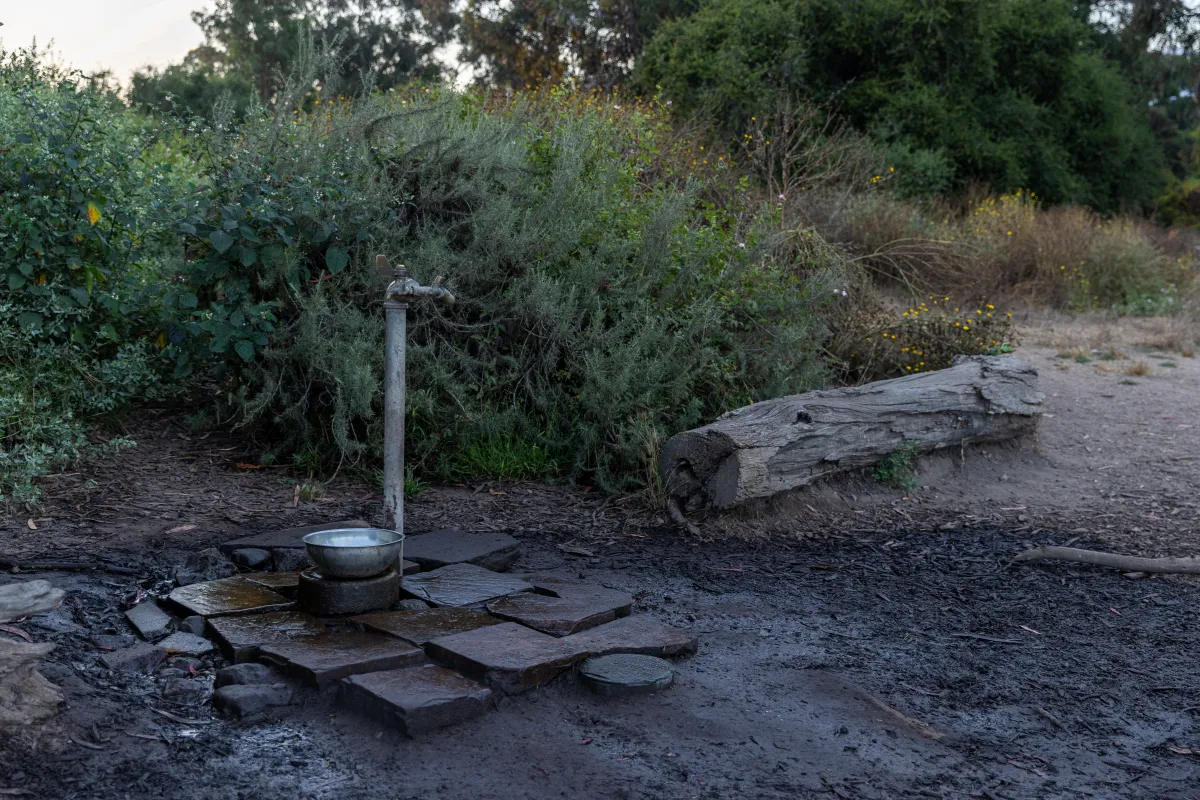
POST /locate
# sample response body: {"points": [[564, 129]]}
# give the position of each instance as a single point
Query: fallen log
{"points": [[25, 695], [778, 445], [1166, 566]]}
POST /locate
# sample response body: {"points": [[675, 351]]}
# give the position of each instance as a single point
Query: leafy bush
{"points": [[1004, 92], [607, 298], [79, 181]]}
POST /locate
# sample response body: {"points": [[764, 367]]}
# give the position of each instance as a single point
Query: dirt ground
{"points": [[855, 641]]}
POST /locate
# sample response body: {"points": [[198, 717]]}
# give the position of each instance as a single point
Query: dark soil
{"points": [[1041, 681]]}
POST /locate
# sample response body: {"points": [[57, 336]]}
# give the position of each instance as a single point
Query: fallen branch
{"points": [[66, 566], [676, 515], [1174, 566]]}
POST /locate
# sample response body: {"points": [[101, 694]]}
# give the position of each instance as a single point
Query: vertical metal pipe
{"points": [[393, 413]]}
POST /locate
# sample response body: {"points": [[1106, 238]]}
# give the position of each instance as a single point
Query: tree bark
{"points": [[25, 696], [778, 445]]}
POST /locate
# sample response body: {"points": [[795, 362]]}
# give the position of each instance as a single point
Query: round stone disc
{"points": [[627, 673]]}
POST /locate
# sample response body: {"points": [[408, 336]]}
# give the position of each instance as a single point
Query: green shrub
{"points": [[1006, 91], [79, 182], [602, 291]]}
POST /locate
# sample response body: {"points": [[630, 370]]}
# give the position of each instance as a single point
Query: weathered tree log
{"points": [[1188, 565], [777, 445], [25, 696]]}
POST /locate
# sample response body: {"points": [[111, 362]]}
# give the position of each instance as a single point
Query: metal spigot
{"points": [[396, 298]]}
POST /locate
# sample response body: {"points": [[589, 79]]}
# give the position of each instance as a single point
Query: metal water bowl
{"points": [[354, 552]]}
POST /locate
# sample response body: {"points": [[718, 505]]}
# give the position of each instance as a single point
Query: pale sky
{"points": [[91, 35]]}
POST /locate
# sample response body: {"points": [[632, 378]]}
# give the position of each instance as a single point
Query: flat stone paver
{"points": [[494, 551], [288, 537], [227, 596], [626, 673], [241, 637], [509, 657], [423, 626], [149, 620], [462, 585], [415, 700], [320, 660], [576, 608], [639, 633], [285, 583], [189, 644]]}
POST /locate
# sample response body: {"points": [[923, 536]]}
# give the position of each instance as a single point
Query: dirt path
{"points": [[1046, 681]]}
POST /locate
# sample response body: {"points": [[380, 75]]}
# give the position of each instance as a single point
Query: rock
{"points": [[194, 624], [494, 551], [207, 565], [142, 657], [149, 620], [251, 557], [23, 599], [509, 657], [415, 700], [320, 660], [286, 583], [411, 604], [248, 674], [187, 643], [289, 559], [226, 597], [626, 673], [244, 700], [289, 538], [240, 637], [25, 695], [637, 634], [423, 626], [577, 608], [107, 642], [462, 585]]}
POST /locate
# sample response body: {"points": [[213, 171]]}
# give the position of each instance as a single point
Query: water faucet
{"points": [[396, 298]]}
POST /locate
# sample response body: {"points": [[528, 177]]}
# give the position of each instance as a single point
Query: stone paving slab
{"points": [[241, 637], [285, 583], [288, 537], [421, 627], [640, 633], [149, 620], [142, 657], [227, 596], [187, 643], [576, 608], [415, 700], [462, 585], [509, 657], [436, 549], [320, 660]]}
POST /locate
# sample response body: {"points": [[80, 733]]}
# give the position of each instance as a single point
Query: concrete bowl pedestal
{"points": [[323, 596]]}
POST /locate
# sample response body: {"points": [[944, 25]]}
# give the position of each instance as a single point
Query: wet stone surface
{"points": [[247, 673], [285, 583], [462, 585], [639, 633], [509, 657], [287, 538], [149, 620], [421, 627], [320, 660], [227, 596], [142, 657], [577, 608], [241, 637], [626, 673], [188, 644], [244, 700], [329, 596], [494, 551], [415, 700]]}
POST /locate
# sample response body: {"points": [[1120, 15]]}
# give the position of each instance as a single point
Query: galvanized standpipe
{"points": [[395, 302]]}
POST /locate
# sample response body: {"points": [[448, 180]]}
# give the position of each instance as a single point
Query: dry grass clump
{"points": [[1010, 246], [1137, 369]]}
